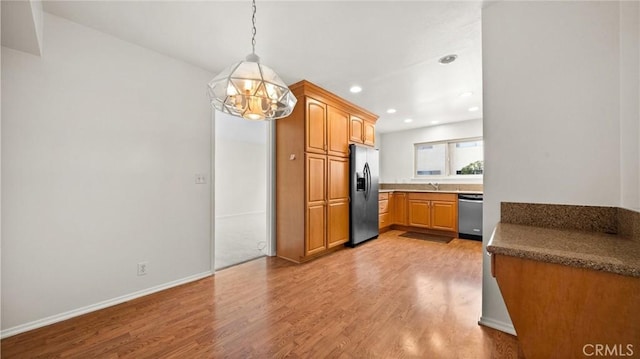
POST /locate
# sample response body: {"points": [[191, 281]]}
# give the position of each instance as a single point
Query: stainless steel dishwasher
{"points": [[470, 216]]}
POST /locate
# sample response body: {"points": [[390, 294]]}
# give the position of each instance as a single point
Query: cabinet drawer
{"points": [[383, 220], [382, 196], [430, 196], [383, 206]]}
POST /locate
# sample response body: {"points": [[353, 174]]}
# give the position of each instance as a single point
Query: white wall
{"points": [[241, 156], [630, 104], [240, 166], [22, 25], [101, 140], [551, 73], [396, 154]]}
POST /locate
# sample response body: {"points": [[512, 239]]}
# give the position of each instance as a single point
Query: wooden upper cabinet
{"points": [[337, 132], [316, 126], [356, 130], [369, 133]]}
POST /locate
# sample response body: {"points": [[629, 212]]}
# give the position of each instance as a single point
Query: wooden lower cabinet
{"points": [[438, 211], [315, 231], [444, 215], [338, 201], [383, 211], [561, 311], [419, 213], [429, 211], [327, 217], [399, 209], [338, 225], [316, 220]]}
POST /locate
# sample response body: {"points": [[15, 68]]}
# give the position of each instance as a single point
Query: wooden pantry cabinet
{"points": [[312, 172]]}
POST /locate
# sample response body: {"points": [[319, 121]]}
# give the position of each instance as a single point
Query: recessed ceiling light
{"points": [[448, 59], [474, 109], [435, 122], [408, 120], [355, 89], [466, 94], [391, 110]]}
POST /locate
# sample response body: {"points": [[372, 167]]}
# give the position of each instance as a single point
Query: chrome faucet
{"points": [[436, 186]]}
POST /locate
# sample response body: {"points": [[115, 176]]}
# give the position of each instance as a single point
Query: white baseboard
{"points": [[498, 325], [241, 214], [100, 305]]}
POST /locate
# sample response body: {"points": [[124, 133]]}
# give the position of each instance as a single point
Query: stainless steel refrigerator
{"points": [[363, 217]]}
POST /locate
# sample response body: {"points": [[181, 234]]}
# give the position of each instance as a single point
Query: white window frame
{"points": [[448, 173]]}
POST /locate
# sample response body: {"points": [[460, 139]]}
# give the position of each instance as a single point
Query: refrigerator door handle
{"points": [[367, 179]]}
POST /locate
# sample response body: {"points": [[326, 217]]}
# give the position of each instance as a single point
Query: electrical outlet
{"points": [[143, 268], [201, 178]]}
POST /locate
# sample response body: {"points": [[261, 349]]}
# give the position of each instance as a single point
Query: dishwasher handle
{"points": [[470, 200]]}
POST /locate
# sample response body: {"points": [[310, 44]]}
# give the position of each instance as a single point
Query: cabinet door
{"points": [[315, 229], [444, 216], [419, 215], [316, 204], [383, 221], [369, 133], [356, 131], [316, 179], [315, 126], [383, 206], [338, 197], [337, 132], [338, 225], [338, 185], [399, 208]]}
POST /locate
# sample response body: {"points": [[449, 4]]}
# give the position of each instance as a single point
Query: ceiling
{"points": [[389, 48]]}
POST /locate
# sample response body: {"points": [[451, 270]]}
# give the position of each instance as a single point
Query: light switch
{"points": [[201, 178]]}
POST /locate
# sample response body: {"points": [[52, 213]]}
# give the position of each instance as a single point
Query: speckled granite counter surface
{"points": [[599, 238], [591, 250], [468, 188], [427, 191]]}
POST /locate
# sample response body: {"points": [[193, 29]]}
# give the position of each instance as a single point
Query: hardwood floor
{"points": [[392, 297]]}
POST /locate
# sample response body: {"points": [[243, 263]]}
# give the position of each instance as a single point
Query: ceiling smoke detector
{"points": [[448, 59]]}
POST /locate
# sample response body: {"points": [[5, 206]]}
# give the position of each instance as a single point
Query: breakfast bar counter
{"points": [[570, 278]]}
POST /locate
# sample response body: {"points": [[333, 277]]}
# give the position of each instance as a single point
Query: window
{"points": [[450, 158], [431, 159]]}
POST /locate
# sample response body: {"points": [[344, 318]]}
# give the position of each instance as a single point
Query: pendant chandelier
{"points": [[251, 90]]}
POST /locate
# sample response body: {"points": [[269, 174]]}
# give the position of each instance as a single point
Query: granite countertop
{"points": [[576, 248], [428, 191]]}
